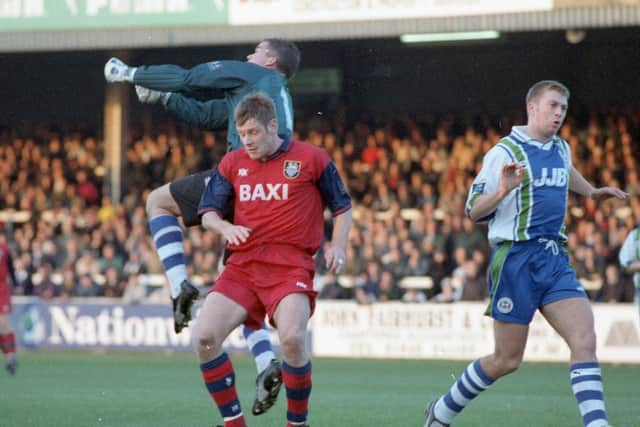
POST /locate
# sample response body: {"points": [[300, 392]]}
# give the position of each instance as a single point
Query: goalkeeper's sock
{"points": [[297, 381], [220, 380], [167, 235], [472, 382], [260, 346], [586, 383]]}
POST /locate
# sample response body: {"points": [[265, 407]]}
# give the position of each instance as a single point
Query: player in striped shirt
{"points": [[629, 258], [521, 191]]}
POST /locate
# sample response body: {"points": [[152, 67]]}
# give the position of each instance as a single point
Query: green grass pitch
{"points": [[59, 389]]}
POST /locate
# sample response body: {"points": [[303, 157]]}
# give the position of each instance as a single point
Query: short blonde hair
{"points": [[538, 88]]}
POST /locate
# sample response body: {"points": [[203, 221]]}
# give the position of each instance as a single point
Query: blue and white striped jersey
{"points": [[630, 252], [537, 207]]}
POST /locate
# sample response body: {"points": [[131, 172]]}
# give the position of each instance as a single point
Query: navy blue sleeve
{"points": [[217, 195], [333, 191]]}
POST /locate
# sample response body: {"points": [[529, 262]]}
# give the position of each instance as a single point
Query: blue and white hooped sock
{"points": [[167, 235], [586, 383], [260, 345], [471, 383]]}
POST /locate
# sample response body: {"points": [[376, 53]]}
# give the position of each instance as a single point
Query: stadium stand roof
{"points": [[563, 15]]}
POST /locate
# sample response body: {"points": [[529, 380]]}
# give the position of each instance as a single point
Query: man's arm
{"points": [[634, 267], [629, 255], [338, 200], [216, 197], [335, 256], [578, 184], [235, 234], [209, 115], [483, 205], [172, 78]]}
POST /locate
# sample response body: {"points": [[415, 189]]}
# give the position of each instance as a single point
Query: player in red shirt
{"points": [[7, 337], [279, 189]]}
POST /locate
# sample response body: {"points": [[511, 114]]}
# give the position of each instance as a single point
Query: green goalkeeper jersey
{"points": [[235, 78]]}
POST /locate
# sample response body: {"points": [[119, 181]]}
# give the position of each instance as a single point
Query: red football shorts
{"points": [[259, 287]]}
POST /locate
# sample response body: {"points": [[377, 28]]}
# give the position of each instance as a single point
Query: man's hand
{"points": [[334, 259], [607, 192], [235, 234], [511, 176], [117, 71], [149, 96]]}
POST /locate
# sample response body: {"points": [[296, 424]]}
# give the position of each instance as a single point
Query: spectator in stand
{"points": [[85, 188], [389, 290], [332, 289], [87, 287], [615, 288]]}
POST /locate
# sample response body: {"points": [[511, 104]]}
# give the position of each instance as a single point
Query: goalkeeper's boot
{"points": [[11, 367], [182, 305], [430, 414], [268, 385]]}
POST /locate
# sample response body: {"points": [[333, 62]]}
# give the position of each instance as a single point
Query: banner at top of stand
{"points": [[265, 12], [44, 15]]}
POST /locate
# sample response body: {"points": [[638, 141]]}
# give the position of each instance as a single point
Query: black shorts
{"points": [[187, 192]]}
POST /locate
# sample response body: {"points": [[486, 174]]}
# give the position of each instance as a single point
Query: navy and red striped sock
{"points": [[297, 382], [220, 380], [8, 343]]}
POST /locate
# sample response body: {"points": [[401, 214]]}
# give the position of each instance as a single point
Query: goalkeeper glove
{"points": [[148, 96], [117, 71]]}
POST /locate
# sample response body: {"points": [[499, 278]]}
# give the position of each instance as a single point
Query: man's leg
{"points": [[510, 340], [162, 211], [8, 343], [573, 320], [260, 346], [269, 377], [218, 317], [292, 316]]}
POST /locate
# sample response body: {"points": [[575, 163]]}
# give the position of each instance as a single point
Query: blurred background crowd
{"points": [[409, 177]]}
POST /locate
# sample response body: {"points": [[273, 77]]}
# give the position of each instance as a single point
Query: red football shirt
{"points": [[281, 200]]}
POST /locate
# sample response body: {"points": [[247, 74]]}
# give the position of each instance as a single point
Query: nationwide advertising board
{"points": [[337, 329]]}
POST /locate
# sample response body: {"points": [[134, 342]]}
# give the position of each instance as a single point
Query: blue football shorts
{"points": [[526, 276]]}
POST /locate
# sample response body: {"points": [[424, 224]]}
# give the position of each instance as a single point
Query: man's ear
{"points": [[272, 62], [273, 126], [530, 108]]}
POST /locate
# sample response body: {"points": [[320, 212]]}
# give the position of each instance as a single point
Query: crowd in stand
{"points": [[409, 179]]}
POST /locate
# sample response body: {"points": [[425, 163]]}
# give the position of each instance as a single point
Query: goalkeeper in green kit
{"points": [[267, 70]]}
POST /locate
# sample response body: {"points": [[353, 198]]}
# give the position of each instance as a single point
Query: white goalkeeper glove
{"points": [[149, 96], [117, 71]]}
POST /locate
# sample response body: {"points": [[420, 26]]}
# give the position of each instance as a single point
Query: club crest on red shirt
{"points": [[291, 168]]}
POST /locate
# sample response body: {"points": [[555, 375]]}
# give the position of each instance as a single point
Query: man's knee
{"points": [[205, 340], [504, 364], [583, 343], [160, 202], [292, 342]]}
